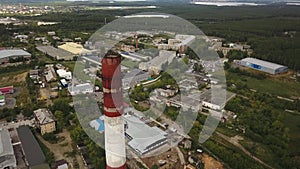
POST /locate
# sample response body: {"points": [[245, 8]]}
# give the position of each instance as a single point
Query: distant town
{"points": [[48, 80]]}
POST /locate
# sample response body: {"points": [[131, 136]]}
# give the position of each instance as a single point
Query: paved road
{"points": [[17, 124], [236, 143]]}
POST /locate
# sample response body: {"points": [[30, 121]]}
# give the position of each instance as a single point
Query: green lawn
{"points": [[69, 64]]}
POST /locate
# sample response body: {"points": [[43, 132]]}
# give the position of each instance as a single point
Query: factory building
{"points": [[74, 48], [143, 138], [7, 54], [180, 43], [134, 77], [155, 66], [34, 156], [64, 74], [264, 66], [8, 159], [85, 88], [135, 56], [56, 53], [7, 90]]}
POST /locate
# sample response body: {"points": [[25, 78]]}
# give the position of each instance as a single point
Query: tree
{"points": [[59, 115], [185, 60], [155, 166], [62, 105]]}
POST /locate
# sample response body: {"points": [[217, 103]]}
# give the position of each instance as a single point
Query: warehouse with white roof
{"points": [[263, 66], [143, 138]]}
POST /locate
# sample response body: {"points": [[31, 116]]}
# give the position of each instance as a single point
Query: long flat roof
{"points": [[13, 53], [6, 150], [31, 147], [263, 63], [142, 135], [54, 52]]}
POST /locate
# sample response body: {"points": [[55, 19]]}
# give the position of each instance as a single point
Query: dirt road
{"points": [[235, 141], [60, 150]]}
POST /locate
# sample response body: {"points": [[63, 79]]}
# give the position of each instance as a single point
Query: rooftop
{"points": [[43, 116], [135, 72], [54, 52], [263, 63], [6, 150], [13, 53], [164, 55], [74, 48], [62, 72], [142, 135], [80, 88], [31, 147]]}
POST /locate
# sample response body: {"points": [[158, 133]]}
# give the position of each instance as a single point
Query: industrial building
{"points": [[95, 60], [64, 74], [134, 77], [264, 66], [44, 121], [85, 88], [180, 43], [155, 65], [49, 73], [74, 48], [143, 138], [135, 56], [34, 155], [7, 90], [7, 157], [7, 54], [56, 53]]}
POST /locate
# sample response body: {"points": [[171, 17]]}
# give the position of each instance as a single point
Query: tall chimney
{"points": [[113, 110]]}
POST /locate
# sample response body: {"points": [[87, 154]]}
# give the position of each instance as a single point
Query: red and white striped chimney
{"points": [[113, 110]]}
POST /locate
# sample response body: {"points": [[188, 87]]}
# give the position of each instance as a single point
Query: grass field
{"points": [[269, 85], [13, 78], [292, 122], [69, 64]]}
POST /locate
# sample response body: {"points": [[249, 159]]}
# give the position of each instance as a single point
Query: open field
{"points": [[273, 86], [292, 122], [172, 162], [61, 149], [13, 78], [211, 163]]}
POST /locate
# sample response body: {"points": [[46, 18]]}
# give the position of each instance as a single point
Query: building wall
{"points": [[210, 105], [262, 68], [6, 59], [47, 128]]}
